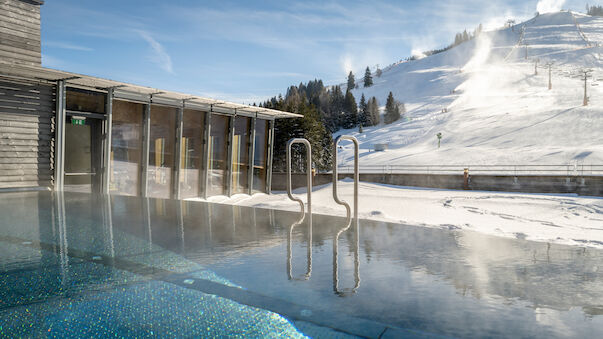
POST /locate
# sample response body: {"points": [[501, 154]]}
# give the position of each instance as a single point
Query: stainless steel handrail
{"points": [[336, 288], [356, 174], [308, 172]]}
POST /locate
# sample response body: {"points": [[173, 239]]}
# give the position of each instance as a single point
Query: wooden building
{"points": [[65, 131]]}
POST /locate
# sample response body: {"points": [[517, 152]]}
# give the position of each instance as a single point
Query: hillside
{"points": [[497, 110]]}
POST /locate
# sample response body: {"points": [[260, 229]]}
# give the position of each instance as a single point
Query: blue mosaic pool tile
{"points": [[145, 310]]}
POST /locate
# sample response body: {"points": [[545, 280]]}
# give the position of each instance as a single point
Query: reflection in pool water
{"points": [[308, 273], [136, 266], [356, 251]]}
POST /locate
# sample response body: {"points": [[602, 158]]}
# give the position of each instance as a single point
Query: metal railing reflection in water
{"points": [[108, 224], [308, 273], [356, 249], [61, 225]]}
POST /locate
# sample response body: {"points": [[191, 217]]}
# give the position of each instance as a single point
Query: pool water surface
{"points": [[79, 265]]}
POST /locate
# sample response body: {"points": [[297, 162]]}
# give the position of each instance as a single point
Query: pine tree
{"points": [[318, 135], [465, 36], [309, 127], [350, 109], [373, 112], [363, 111], [594, 10], [401, 109], [336, 110], [368, 78], [392, 109], [351, 81]]}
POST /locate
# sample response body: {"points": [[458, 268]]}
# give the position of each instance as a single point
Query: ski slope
{"points": [[491, 108], [497, 112]]}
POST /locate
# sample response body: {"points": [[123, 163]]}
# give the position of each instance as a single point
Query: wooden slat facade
{"points": [[20, 32], [27, 132]]}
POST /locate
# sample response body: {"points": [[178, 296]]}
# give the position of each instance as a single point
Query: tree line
{"points": [[594, 10], [367, 80], [459, 38], [325, 110]]}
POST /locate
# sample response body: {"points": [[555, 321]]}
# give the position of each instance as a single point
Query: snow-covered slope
{"points": [[497, 111]]}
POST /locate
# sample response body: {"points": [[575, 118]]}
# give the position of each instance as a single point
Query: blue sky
{"points": [[247, 51]]}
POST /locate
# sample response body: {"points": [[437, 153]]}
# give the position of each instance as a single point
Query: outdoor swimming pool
{"points": [[76, 265]]}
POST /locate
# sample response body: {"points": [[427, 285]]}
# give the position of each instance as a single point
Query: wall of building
{"points": [[26, 108], [158, 148], [27, 113], [20, 31]]}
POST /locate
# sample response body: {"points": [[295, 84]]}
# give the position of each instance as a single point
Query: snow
{"points": [[499, 112], [562, 219]]}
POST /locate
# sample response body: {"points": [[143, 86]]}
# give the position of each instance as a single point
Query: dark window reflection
{"points": [[126, 147], [85, 101], [161, 151], [218, 143], [240, 155], [260, 169], [192, 152]]}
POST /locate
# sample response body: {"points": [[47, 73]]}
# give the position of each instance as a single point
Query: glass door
{"points": [[83, 154]]}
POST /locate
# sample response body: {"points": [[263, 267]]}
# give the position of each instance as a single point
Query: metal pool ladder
{"points": [[336, 289], [308, 172], [356, 174], [303, 210]]}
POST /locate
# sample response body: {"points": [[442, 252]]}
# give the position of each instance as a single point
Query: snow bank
{"points": [[562, 219]]}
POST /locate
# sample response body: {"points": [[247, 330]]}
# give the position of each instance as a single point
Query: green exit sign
{"points": [[78, 121]]}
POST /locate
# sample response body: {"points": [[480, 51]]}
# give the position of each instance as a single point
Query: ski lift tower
{"points": [[549, 65], [585, 73]]}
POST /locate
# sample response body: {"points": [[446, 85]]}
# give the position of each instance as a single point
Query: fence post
{"points": [[466, 178]]}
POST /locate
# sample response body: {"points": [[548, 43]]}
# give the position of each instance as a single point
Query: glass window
{"points": [[218, 154], [260, 158], [85, 101], [240, 155], [126, 147], [193, 128], [161, 151]]}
